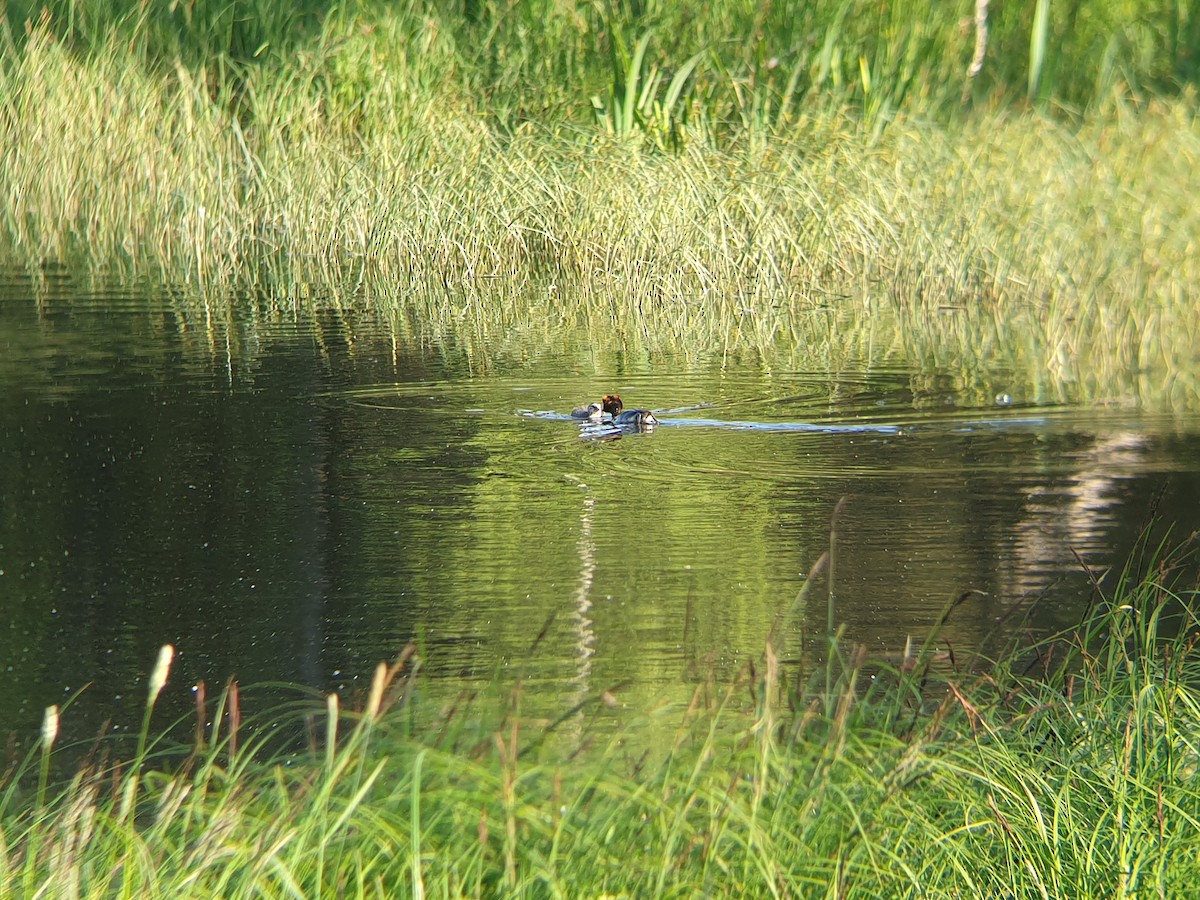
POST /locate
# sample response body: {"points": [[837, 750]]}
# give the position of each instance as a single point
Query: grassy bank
{"points": [[699, 190], [1065, 769]]}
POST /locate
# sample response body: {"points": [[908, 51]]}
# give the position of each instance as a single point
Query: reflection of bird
{"points": [[591, 411], [643, 418]]}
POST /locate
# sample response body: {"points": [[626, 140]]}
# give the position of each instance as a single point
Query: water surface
{"points": [[293, 497]]}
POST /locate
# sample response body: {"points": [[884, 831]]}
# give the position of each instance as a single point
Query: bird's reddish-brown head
{"points": [[612, 404]]}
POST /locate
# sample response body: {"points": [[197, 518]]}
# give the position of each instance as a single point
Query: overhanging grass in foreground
{"points": [[1065, 769]]}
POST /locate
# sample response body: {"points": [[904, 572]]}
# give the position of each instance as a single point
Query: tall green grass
{"points": [[1071, 246], [1066, 768], [524, 60], [716, 178]]}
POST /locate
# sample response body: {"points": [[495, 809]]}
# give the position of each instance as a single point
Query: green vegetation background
{"points": [[698, 174]]}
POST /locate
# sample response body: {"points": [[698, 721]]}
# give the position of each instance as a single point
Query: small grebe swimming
{"points": [[592, 411], [643, 418]]}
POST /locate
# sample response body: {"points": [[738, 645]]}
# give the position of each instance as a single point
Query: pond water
{"points": [[295, 497]]}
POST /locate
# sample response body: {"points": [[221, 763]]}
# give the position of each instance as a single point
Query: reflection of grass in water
{"points": [[1069, 251], [1065, 769]]}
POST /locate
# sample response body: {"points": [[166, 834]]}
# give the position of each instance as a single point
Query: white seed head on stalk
{"points": [[162, 669], [49, 727]]}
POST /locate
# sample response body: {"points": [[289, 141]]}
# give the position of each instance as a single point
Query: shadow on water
{"points": [[298, 499]]}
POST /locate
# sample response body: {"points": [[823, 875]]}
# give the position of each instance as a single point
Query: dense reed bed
{"points": [[700, 179], [1065, 768]]}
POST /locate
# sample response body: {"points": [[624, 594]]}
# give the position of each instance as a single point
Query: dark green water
{"points": [[295, 497]]}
